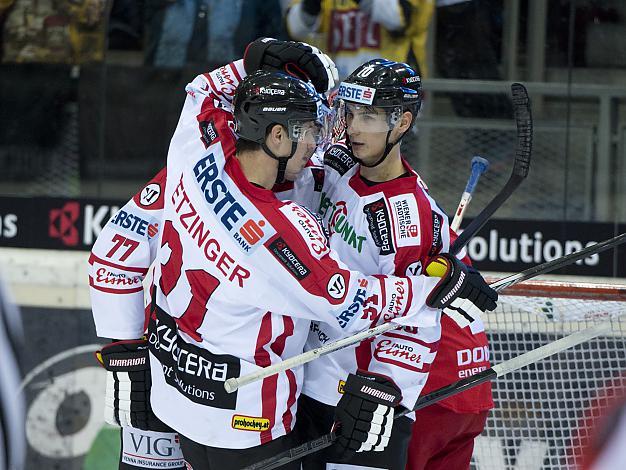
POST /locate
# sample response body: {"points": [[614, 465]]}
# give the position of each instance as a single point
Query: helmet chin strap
{"points": [[282, 161]]}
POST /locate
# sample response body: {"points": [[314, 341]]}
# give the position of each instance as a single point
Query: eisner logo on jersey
{"points": [[356, 93], [308, 227], [403, 352], [239, 217], [399, 299], [225, 80], [406, 220]]}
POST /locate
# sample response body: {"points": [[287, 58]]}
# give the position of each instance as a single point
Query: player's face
{"points": [[304, 152], [367, 128]]}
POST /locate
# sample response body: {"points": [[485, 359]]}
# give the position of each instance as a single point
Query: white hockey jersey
{"points": [[388, 228], [238, 277]]}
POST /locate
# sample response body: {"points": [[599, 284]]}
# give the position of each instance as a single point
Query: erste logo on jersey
{"points": [[136, 224], [241, 219], [405, 220], [309, 228], [403, 351], [379, 225], [358, 302], [357, 93]]}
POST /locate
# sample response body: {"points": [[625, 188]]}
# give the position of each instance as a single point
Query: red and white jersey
{"points": [[238, 277], [388, 228]]}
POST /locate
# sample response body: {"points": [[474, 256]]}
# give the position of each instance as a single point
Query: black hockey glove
{"points": [[299, 59], [127, 398], [364, 415], [462, 292]]}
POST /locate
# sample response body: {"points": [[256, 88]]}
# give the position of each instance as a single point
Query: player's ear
{"points": [[405, 121], [276, 134]]}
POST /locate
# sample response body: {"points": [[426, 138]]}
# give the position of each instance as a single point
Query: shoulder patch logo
{"points": [[437, 226], [336, 286], [209, 133], [285, 255], [379, 225], [339, 159], [414, 269], [318, 178], [150, 194], [406, 220]]}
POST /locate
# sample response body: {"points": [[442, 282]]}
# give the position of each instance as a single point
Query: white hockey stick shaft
{"points": [[479, 166], [455, 388], [234, 383]]}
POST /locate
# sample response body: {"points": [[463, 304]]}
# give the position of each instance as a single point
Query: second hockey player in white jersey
{"points": [[382, 220]]}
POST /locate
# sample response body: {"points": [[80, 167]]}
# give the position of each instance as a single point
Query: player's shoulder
{"points": [[304, 224], [339, 158]]}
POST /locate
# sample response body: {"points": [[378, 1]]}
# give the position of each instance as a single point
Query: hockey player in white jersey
{"points": [[382, 220], [239, 274]]}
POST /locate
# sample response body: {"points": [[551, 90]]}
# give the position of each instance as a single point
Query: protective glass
{"points": [[365, 118], [316, 132]]}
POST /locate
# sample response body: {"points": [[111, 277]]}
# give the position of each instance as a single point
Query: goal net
{"points": [[541, 409]]}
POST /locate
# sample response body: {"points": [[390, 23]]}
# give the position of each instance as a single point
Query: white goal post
{"points": [[539, 410]]}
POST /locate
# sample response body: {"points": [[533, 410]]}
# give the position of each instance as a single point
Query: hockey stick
{"points": [[524, 123], [457, 387], [479, 166], [234, 383]]}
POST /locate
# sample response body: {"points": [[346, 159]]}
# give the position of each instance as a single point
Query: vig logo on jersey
{"points": [[356, 93], [239, 217]]}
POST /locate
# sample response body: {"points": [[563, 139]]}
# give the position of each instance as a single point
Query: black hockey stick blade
{"points": [[521, 166], [294, 453]]}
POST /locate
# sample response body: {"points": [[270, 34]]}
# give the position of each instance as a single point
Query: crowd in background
{"points": [[58, 99]]}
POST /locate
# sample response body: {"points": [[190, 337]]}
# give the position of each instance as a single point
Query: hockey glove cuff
{"points": [[127, 397], [462, 292], [364, 415], [298, 59]]}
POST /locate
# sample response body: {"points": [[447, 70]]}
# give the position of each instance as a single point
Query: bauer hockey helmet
{"points": [[393, 86], [264, 98]]}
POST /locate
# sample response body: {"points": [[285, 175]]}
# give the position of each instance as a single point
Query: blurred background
{"points": [[90, 93]]}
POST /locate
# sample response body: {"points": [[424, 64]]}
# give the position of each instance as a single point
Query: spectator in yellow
{"points": [[49, 31], [355, 31]]}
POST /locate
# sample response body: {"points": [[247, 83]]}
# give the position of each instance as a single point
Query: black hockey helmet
{"points": [[385, 84], [264, 98], [393, 86]]}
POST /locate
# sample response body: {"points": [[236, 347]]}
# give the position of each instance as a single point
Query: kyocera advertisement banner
{"points": [[502, 245]]}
